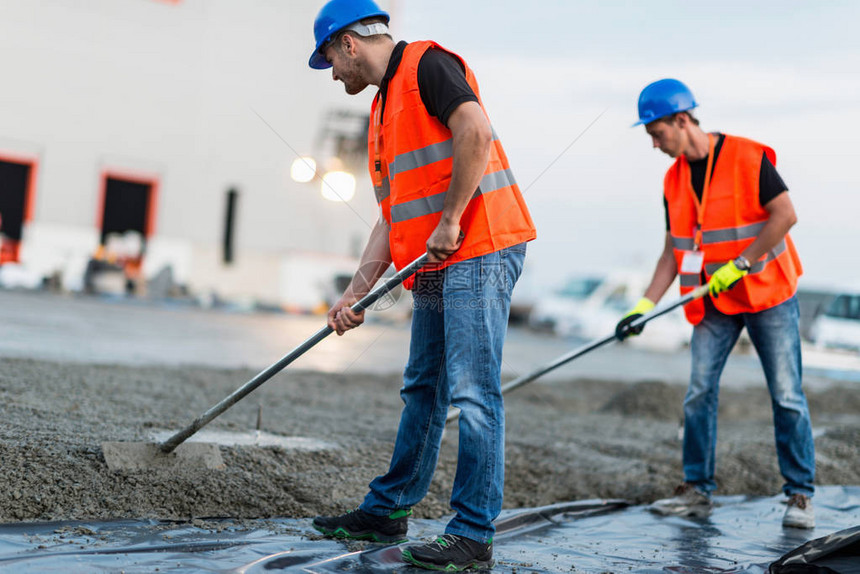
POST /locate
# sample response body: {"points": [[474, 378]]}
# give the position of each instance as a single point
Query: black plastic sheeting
{"points": [[838, 552], [743, 535]]}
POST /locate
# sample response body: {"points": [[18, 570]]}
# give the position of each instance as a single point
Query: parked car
{"points": [[839, 325], [553, 312], [589, 306]]}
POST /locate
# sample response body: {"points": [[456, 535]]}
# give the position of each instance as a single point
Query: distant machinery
{"points": [[339, 152]]}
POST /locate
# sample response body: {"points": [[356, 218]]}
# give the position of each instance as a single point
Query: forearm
{"points": [[771, 234], [664, 273], [472, 138], [375, 259]]}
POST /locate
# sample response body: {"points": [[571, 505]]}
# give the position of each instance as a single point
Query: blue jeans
{"points": [[774, 334], [459, 322]]}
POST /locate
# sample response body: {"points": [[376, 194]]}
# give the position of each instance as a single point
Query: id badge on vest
{"points": [[692, 261]]}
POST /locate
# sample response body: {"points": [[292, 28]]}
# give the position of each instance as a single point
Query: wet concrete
{"points": [[256, 438], [570, 440], [142, 456]]}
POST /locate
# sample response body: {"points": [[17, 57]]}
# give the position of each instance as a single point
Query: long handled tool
{"points": [[127, 455], [588, 347]]}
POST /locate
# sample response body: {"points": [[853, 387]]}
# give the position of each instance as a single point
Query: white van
{"points": [[839, 325], [589, 307]]}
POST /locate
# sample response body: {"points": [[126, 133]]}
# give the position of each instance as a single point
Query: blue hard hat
{"points": [[334, 17], [664, 98]]}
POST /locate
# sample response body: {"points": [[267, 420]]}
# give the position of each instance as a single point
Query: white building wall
{"points": [[174, 91]]}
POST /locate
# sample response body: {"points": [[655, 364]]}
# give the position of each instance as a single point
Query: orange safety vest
{"points": [[723, 224], [410, 157]]}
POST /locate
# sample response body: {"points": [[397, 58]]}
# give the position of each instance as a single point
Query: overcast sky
{"points": [[783, 73]]}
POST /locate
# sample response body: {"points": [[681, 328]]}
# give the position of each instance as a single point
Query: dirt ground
{"points": [[566, 441]]}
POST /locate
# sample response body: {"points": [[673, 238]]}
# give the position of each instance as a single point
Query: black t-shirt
{"points": [[441, 81], [770, 183]]}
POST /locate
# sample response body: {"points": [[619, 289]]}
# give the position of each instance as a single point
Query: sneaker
{"points": [[359, 525], [450, 553], [687, 501], [799, 513]]}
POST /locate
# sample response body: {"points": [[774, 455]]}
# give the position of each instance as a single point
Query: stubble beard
{"points": [[354, 88], [353, 79]]}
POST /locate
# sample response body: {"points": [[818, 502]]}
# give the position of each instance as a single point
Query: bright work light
{"points": [[338, 186], [303, 169]]}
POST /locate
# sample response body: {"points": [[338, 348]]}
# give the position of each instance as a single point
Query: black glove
{"points": [[623, 328]]}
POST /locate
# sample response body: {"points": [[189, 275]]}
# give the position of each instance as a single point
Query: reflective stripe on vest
{"points": [[683, 243], [424, 156], [732, 233], [720, 236], [382, 191], [434, 203], [690, 279]]}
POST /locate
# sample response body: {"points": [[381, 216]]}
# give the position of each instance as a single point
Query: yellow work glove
{"points": [[623, 329], [725, 278]]}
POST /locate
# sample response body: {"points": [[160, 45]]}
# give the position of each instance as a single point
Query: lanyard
{"points": [[377, 134], [700, 205]]}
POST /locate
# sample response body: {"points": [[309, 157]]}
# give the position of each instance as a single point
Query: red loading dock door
{"points": [[128, 205], [15, 201]]}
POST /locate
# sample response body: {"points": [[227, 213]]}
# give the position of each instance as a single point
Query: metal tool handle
{"points": [[174, 441], [588, 347]]}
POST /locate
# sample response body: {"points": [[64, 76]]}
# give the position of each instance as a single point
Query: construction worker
{"points": [[727, 219], [444, 186]]}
